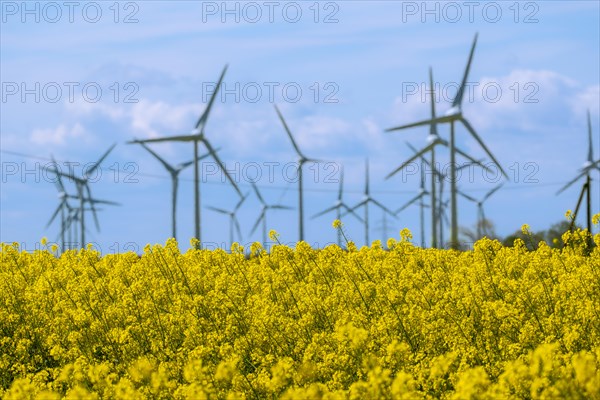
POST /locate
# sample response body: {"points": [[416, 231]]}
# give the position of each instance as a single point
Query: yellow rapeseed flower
{"points": [[337, 224]]}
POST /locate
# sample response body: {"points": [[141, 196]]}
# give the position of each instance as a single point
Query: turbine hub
{"points": [[587, 164], [432, 137], [453, 111], [196, 131]]}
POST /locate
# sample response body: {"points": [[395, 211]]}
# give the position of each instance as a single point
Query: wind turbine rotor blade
{"points": [[289, 133], [408, 203], [237, 228], [410, 160], [325, 211], [59, 182], [491, 192], [185, 165], [351, 211], [219, 210], [260, 198], [590, 146], [384, 208], [437, 120], [432, 126], [93, 209], [63, 174], [97, 164], [461, 90], [218, 161], [367, 176], [483, 146], [159, 158], [260, 218], [239, 204], [341, 189], [112, 203], [177, 138], [204, 117], [466, 196], [280, 207], [582, 174], [60, 206]]}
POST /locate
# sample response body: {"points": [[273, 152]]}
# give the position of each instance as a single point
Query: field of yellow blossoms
{"points": [[303, 323]]}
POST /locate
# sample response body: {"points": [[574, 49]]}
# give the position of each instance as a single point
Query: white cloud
{"points": [[59, 135]]}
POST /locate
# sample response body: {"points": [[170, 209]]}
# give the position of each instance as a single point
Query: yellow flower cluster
{"points": [[303, 323]]}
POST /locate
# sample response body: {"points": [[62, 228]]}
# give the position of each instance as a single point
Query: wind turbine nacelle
{"points": [[587, 164], [62, 195], [196, 131], [432, 138], [453, 111]]}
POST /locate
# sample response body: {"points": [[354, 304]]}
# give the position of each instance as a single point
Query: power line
{"points": [[287, 187]]}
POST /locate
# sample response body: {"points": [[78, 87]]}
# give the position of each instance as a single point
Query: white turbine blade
{"points": [[260, 198], [260, 218], [351, 211], [438, 120], [97, 164], [218, 161], [384, 208], [581, 175], [483, 146], [177, 138], [60, 206], [219, 210], [408, 203], [185, 165], [461, 90], [237, 228], [204, 117], [410, 160], [325, 211], [590, 146], [289, 133], [466, 196], [491, 192], [165, 164]]}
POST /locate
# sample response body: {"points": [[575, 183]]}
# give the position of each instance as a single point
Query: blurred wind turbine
{"points": [[174, 172], [196, 136], [233, 221], [434, 140], [338, 206], [365, 202], [420, 198], [302, 160], [481, 229], [589, 165], [263, 214], [453, 115], [82, 186]]}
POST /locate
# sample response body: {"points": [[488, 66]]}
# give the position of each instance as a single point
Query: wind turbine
{"points": [[434, 140], [233, 221], [62, 206], [82, 186], [174, 172], [302, 160], [419, 197], [365, 202], [589, 165], [196, 136], [263, 213], [453, 115], [481, 230], [338, 206]]}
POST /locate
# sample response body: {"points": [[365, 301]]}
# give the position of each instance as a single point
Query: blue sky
{"points": [[357, 74]]}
